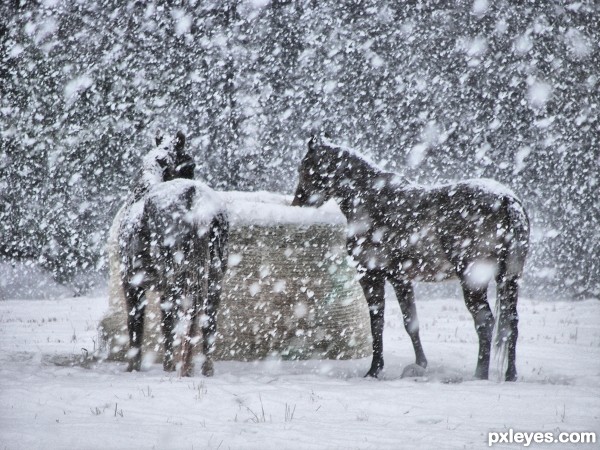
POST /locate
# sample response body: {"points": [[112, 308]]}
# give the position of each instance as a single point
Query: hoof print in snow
{"points": [[413, 370]]}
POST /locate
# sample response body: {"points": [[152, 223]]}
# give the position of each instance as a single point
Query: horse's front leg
{"points": [[373, 285], [187, 344], [406, 298], [209, 322], [169, 311], [136, 302], [476, 301]]}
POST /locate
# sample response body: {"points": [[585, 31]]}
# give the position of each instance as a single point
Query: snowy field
{"points": [[47, 402]]}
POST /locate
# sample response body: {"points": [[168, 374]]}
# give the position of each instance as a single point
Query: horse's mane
{"points": [[359, 161], [152, 172], [351, 153]]}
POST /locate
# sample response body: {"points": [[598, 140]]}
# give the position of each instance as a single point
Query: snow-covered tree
{"points": [[435, 91]]}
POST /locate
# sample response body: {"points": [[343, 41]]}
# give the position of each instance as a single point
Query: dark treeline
{"points": [[434, 90]]}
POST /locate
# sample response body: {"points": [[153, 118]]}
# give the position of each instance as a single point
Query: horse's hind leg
{"points": [[477, 304], [374, 288], [508, 292], [169, 311], [209, 327], [136, 303], [209, 322], [406, 298]]}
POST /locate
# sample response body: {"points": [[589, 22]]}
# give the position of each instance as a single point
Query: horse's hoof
{"points": [[511, 376], [186, 371], [481, 376], [133, 367], [134, 358], [374, 371], [413, 370], [208, 369]]}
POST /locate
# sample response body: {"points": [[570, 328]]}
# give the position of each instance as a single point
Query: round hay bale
{"points": [[289, 291]]}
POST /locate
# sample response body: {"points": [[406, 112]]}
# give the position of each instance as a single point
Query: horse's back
{"points": [[485, 201], [192, 201], [481, 218], [167, 227], [437, 231], [180, 212]]}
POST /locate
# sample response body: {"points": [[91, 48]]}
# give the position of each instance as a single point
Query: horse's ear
{"points": [[158, 138], [179, 142], [312, 142]]}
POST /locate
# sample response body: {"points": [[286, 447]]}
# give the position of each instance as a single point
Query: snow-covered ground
{"points": [[46, 402]]}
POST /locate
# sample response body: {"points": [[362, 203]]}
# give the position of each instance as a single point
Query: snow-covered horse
{"points": [[475, 230], [173, 240]]}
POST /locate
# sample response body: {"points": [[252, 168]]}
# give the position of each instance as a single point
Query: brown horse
{"points": [[173, 240], [476, 230]]}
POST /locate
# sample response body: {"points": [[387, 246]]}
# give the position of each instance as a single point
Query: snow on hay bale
{"points": [[289, 291]]}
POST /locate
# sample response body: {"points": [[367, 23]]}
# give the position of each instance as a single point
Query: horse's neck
{"points": [[356, 185]]}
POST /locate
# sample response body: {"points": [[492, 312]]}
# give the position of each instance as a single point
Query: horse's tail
{"points": [[511, 259], [208, 250]]}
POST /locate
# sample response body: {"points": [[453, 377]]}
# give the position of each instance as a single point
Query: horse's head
{"points": [[173, 161], [318, 173], [184, 163]]}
